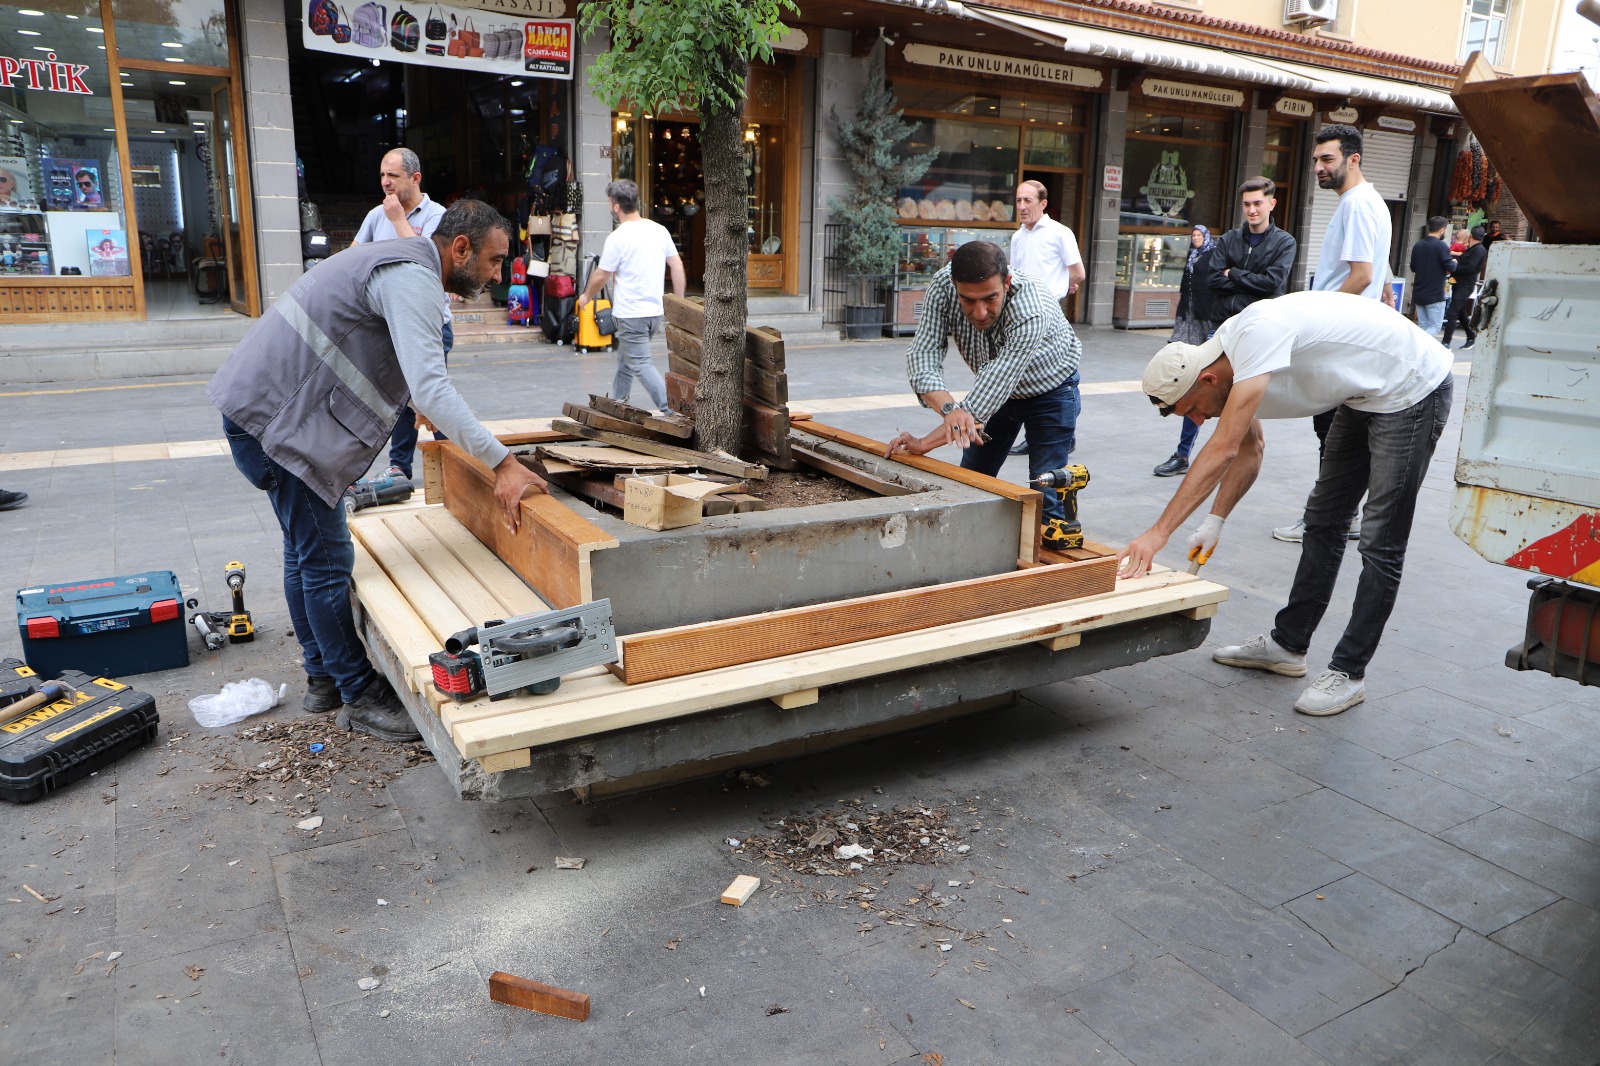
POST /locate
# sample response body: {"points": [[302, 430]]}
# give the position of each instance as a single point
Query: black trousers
{"points": [[1458, 313]]}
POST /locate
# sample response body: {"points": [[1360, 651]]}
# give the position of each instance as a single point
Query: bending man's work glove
{"points": [[1203, 541]]}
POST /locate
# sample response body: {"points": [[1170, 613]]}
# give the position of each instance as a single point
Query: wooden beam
{"points": [[588, 416], [712, 645], [721, 463], [800, 698], [517, 991], [1030, 499], [432, 473], [846, 472], [739, 892], [763, 384], [685, 314], [1063, 642], [1205, 610], [506, 760], [671, 425]]}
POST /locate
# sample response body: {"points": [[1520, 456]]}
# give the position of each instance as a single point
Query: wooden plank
{"points": [[515, 597], [680, 394], [1208, 610], [551, 549], [421, 591], [618, 706], [1067, 640], [432, 474], [743, 504], [766, 429], [599, 489], [588, 416], [608, 458], [506, 760], [532, 436], [846, 472], [672, 425], [711, 645], [686, 346], [738, 893], [763, 384], [685, 314], [457, 580], [763, 346], [1031, 500], [407, 635], [721, 464], [1519, 121], [801, 698], [536, 995]]}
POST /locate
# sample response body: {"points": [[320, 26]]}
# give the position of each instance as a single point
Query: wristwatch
{"points": [[947, 407]]}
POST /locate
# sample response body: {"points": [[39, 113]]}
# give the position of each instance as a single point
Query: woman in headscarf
{"points": [[1193, 326]]}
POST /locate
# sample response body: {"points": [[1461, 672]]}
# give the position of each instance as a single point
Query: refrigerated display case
{"points": [[1149, 274], [923, 252]]}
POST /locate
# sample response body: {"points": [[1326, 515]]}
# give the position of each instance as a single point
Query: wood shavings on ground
{"points": [[828, 841]]}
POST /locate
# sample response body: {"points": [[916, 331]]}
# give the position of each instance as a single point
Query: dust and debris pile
{"points": [[299, 761], [828, 842]]}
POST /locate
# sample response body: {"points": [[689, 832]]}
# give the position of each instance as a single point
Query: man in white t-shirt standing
{"points": [[1046, 251], [1355, 249], [637, 254], [1388, 386]]}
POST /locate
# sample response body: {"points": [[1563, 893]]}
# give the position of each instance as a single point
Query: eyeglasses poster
{"points": [[436, 35], [72, 184], [108, 253], [15, 192]]}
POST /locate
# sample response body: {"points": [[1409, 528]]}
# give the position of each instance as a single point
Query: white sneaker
{"points": [[1330, 693], [1261, 652], [1292, 534]]}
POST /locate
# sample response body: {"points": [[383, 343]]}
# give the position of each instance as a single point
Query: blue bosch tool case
{"points": [[93, 724], [108, 627]]}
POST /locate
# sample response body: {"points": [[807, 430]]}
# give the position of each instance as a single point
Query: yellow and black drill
{"points": [[1063, 534], [241, 630]]}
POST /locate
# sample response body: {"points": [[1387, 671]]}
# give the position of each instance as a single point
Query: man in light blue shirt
{"points": [[406, 211]]}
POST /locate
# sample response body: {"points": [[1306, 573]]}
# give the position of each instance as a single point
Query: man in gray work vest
{"points": [[308, 400]]}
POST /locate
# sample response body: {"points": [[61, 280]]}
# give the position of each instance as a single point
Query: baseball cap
{"points": [[1176, 368]]}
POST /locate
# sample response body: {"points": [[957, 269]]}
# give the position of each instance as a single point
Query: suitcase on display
{"points": [[72, 737]]}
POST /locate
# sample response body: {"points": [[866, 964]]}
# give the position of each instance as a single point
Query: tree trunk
{"points": [[719, 397]]}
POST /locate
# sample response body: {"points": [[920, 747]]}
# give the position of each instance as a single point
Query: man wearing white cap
{"points": [[1389, 386]]}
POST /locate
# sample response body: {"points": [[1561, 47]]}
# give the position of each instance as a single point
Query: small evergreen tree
{"points": [[870, 244]]}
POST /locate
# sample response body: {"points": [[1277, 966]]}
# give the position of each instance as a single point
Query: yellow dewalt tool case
{"points": [[93, 724]]}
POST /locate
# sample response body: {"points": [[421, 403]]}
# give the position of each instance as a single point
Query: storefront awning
{"points": [[1215, 62]]}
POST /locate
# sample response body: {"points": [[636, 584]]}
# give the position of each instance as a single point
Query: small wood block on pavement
{"points": [[739, 892], [517, 991]]}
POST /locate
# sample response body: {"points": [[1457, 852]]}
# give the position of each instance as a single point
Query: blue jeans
{"points": [[633, 360], [403, 438], [1186, 437], [317, 561], [1386, 457], [1052, 421], [1430, 317]]}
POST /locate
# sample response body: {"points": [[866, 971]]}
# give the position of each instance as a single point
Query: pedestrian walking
{"points": [[1355, 251], [1388, 385], [406, 211], [638, 254], [1431, 264], [1047, 251], [308, 399], [1463, 281], [1010, 332]]}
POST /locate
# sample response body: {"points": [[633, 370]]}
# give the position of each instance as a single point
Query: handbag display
{"points": [[560, 286], [404, 32], [469, 38], [436, 29], [369, 28], [322, 17]]}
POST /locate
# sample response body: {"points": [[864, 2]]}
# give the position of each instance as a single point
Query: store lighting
{"points": [[107, 129], [516, 83], [158, 131], [30, 12], [171, 44], [43, 48], [94, 29], [177, 82], [30, 33], [174, 59]]}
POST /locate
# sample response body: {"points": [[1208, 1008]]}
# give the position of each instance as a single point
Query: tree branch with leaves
{"points": [[695, 55]]}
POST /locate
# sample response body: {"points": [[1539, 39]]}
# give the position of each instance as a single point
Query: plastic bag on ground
{"points": [[237, 701]]}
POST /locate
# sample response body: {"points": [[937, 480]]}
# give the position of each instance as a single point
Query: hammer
{"points": [[49, 692]]}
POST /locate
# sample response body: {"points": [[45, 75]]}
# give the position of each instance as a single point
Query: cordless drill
{"points": [[370, 492], [241, 630], [1059, 534]]}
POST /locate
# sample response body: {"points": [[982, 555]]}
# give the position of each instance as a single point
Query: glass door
{"points": [[227, 164]]}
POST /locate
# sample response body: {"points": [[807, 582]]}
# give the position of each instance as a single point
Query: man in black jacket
{"points": [[1469, 264], [1250, 263], [1431, 263]]}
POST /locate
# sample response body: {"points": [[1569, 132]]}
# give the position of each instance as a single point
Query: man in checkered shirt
{"points": [[1010, 330]]}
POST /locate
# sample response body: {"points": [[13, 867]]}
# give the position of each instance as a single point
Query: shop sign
{"points": [[454, 37], [1390, 122], [929, 55], [528, 9], [1288, 105], [1193, 94], [1112, 182], [43, 74], [1167, 190], [1344, 114]]}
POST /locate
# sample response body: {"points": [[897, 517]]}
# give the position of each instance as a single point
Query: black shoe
{"points": [[1019, 448], [1172, 467], [1467, 347], [322, 695], [379, 713], [8, 500]]}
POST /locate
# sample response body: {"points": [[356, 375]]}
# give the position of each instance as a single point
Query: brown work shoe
{"points": [[379, 713], [322, 695]]}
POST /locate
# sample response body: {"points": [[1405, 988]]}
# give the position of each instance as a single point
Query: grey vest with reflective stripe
{"points": [[316, 381]]}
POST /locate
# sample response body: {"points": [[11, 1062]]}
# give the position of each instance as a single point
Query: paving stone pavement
{"points": [[1173, 866]]}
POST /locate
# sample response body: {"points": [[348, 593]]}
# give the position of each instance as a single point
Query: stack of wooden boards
{"points": [[766, 381]]}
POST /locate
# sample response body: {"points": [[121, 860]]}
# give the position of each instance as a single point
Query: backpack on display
{"points": [[322, 17], [436, 29], [341, 32], [370, 26], [404, 32]]}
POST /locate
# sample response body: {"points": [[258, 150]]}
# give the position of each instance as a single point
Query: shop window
{"points": [[1052, 148], [1187, 127], [973, 177], [176, 31], [1485, 29], [1176, 178], [61, 197]]}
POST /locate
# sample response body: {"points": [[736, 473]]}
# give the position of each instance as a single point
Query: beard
{"points": [[461, 281], [1334, 179]]}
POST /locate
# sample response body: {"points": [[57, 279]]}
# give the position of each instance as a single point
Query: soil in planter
{"points": [[803, 488]]}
